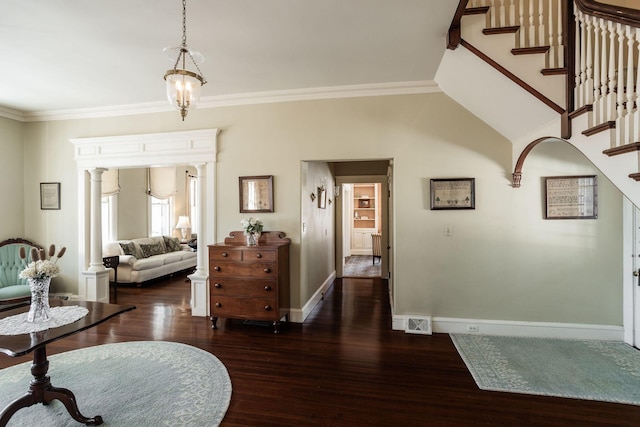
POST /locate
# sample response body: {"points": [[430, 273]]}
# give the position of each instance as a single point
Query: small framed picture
{"points": [[49, 195], [256, 193], [571, 197], [453, 193]]}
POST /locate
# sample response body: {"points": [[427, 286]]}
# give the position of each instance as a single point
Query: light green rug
{"points": [[591, 370], [142, 383]]}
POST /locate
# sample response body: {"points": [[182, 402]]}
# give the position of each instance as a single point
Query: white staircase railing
{"points": [[540, 23], [607, 74]]}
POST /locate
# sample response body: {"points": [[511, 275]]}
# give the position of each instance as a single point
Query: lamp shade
{"points": [[183, 90], [183, 223]]}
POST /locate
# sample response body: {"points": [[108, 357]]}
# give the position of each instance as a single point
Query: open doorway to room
{"points": [[361, 230], [363, 218]]}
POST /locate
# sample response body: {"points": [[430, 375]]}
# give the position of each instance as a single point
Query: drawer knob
{"points": [[217, 285], [218, 305], [267, 308], [267, 288], [224, 254], [258, 255], [267, 270], [216, 268]]}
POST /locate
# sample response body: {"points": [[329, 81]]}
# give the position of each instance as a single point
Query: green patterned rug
{"points": [[592, 370], [141, 383]]}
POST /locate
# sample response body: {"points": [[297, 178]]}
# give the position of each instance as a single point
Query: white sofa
{"points": [[148, 258]]}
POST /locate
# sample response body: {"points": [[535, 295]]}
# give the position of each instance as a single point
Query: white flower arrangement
{"points": [[251, 225], [41, 267]]}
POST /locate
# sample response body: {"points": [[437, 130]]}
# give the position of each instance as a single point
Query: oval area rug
{"points": [[140, 383]]}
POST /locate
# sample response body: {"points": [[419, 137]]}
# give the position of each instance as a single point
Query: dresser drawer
{"points": [[244, 308], [256, 270], [224, 254], [243, 288], [258, 254]]}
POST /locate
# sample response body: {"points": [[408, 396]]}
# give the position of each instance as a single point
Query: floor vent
{"points": [[418, 325]]}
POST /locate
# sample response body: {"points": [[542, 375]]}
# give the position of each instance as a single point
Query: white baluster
{"points": [[589, 54], [611, 73], [621, 121], [636, 111], [551, 54], [629, 92], [512, 13], [531, 40], [492, 14], [541, 24], [596, 71], [560, 18], [502, 16], [522, 31], [580, 62]]}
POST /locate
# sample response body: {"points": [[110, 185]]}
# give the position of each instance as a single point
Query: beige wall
{"points": [[503, 261], [12, 180]]}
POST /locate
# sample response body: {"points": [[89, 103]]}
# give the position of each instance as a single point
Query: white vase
{"points": [[39, 310]]}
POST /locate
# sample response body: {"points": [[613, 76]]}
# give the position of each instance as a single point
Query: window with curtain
{"points": [[110, 190], [193, 197], [161, 190]]}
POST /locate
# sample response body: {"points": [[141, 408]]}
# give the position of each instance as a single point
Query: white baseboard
{"points": [[520, 329], [298, 315]]}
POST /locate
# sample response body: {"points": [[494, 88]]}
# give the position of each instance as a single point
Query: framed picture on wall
{"points": [[256, 193], [49, 195], [571, 197], [453, 193]]}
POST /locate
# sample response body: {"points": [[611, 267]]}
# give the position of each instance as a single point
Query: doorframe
{"points": [[630, 265], [383, 180]]}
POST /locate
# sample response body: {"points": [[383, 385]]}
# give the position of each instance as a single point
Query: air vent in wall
{"points": [[418, 325]]}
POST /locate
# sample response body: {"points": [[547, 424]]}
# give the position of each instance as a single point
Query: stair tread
{"points": [[476, 10], [600, 128], [500, 30], [553, 71], [627, 148], [530, 50]]}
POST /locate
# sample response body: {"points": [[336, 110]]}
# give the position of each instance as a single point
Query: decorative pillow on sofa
{"points": [[172, 244], [128, 248], [151, 249]]}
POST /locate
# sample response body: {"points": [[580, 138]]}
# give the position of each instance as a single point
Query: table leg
{"points": [[41, 391]]}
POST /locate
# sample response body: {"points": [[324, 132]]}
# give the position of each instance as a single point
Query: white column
{"points": [[95, 263], [200, 278], [94, 283]]}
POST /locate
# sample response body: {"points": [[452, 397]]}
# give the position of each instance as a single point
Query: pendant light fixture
{"points": [[183, 86]]}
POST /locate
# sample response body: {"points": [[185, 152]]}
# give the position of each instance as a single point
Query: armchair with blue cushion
{"points": [[12, 288]]}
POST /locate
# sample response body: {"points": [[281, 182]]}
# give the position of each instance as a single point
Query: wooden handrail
{"points": [[623, 15], [454, 36]]}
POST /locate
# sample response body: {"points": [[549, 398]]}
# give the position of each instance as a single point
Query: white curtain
{"points": [[110, 182], [162, 182]]}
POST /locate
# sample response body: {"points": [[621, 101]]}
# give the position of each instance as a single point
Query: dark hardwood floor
{"points": [[343, 367]]}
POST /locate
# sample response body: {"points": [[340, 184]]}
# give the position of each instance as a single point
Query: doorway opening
{"points": [[362, 229]]}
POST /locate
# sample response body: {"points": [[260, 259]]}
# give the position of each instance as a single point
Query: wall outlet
{"points": [[448, 231], [472, 328]]}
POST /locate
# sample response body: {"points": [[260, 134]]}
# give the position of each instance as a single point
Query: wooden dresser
{"points": [[250, 282]]}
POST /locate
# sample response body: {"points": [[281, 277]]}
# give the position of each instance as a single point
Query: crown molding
{"points": [[267, 97]]}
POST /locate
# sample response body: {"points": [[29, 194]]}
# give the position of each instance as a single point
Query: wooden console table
{"points": [[40, 388], [250, 282]]}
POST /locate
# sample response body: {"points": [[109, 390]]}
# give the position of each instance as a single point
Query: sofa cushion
{"points": [[15, 291], [128, 248], [172, 244], [172, 257], [152, 249], [148, 263]]}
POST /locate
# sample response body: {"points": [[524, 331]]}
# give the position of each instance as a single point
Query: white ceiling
{"points": [[61, 55]]}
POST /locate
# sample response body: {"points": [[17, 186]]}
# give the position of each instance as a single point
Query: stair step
{"points": [[600, 128], [553, 71], [627, 148], [635, 176], [582, 110], [476, 10], [500, 30], [530, 50]]}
